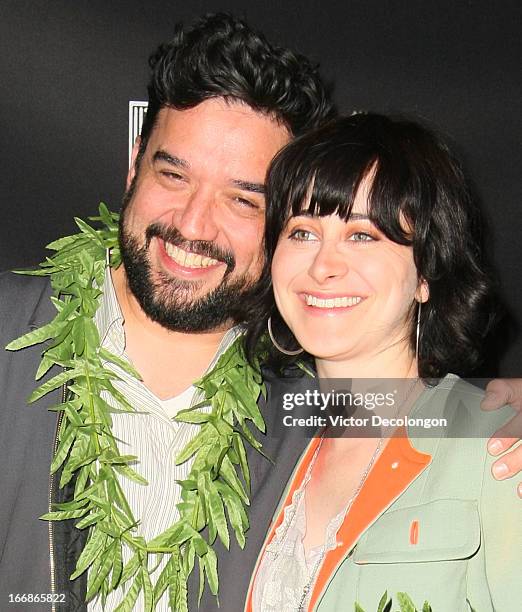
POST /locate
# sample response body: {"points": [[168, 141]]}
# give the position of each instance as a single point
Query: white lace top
{"points": [[285, 576]]}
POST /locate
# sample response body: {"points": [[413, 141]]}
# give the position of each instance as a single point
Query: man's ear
{"points": [[132, 168], [423, 291]]}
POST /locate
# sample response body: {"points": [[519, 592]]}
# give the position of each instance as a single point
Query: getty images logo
{"points": [[137, 110]]}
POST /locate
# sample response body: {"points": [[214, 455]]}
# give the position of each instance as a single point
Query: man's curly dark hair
{"points": [[220, 56]]}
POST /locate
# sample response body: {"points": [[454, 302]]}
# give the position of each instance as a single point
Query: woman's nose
{"points": [[329, 263]]}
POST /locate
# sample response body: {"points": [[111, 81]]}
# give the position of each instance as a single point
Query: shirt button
{"points": [[394, 465]]}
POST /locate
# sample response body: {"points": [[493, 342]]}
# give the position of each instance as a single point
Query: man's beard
{"points": [[172, 302]]}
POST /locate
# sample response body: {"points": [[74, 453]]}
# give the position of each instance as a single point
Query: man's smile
{"points": [[188, 259]]}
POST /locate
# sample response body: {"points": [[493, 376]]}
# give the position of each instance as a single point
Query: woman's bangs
{"points": [[328, 186]]}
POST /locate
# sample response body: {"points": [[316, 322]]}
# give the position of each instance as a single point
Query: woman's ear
{"points": [[423, 291]]}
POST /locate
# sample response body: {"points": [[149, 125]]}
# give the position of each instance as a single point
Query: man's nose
{"points": [[329, 263], [197, 219]]}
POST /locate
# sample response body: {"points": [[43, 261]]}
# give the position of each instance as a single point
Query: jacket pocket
{"points": [[441, 530]]}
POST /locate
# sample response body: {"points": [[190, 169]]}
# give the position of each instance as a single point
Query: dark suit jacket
{"points": [[27, 434]]}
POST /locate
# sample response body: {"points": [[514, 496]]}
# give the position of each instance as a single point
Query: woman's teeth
{"points": [[188, 260], [338, 302]]}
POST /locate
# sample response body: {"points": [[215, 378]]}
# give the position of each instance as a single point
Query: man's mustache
{"points": [[198, 247]]}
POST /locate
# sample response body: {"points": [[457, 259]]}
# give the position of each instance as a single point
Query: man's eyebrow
{"points": [[170, 159], [248, 186]]}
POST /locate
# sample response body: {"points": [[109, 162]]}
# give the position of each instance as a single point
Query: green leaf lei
{"points": [[405, 604], [87, 450]]}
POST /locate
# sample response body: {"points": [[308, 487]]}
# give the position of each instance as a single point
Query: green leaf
{"points": [[205, 437], [37, 336], [228, 473], [178, 533], [127, 605], [247, 434], [236, 513], [93, 518], [45, 365], [81, 480], [95, 580], [166, 573], [74, 504], [61, 243], [181, 603], [63, 515], [173, 590], [72, 409], [78, 335], [87, 229], [93, 548], [67, 438], [191, 416], [427, 608], [128, 472], [383, 601], [148, 592], [131, 567], [122, 363], [117, 566], [210, 561], [51, 385], [358, 608], [189, 555], [201, 572], [217, 512], [239, 447], [405, 603]]}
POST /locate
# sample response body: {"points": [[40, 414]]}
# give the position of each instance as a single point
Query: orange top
{"points": [[396, 467]]}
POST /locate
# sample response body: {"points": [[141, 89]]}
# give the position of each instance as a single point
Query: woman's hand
{"points": [[499, 392]]}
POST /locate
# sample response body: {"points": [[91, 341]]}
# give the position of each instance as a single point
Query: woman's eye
{"points": [[361, 237], [301, 235]]}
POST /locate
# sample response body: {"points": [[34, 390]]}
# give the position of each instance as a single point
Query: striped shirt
{"points": [[151, 435]]}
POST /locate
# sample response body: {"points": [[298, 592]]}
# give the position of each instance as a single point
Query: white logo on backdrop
{"points": [[137, 110]]}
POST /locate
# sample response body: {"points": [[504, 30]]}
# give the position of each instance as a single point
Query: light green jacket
{"points": [[469, 549]]}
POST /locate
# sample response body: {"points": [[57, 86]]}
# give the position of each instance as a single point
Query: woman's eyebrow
{"points": [[353, 217]]}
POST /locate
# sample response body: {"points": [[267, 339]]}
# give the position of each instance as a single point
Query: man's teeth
{"points": [[188, 260], [338, 302]]}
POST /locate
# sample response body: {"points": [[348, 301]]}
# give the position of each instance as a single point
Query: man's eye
{"points": [[301, 235], [361, 237], [173, 176], [246, 203]]}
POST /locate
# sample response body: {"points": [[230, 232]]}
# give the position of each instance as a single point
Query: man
{"points": [[222, 102]]}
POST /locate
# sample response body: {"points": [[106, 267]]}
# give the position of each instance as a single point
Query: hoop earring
{"points": [[418, 330], [276, 344]]}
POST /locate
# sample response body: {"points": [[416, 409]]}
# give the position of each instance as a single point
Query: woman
{"points": [[377, 273]]}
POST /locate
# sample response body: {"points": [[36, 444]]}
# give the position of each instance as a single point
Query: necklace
{"points": [[313, 574], [87, 451], [308, 586]]}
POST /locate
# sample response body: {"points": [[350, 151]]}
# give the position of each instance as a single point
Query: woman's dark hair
{"points": [[418, 197], [221, 57]]}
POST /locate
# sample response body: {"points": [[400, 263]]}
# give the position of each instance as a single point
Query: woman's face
{"points": [[343, 288]]}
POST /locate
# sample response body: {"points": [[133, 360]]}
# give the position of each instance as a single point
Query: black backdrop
{"points": [[68, 70]]}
